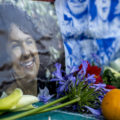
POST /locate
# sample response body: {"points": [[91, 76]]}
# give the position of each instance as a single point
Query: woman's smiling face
{"points": [[24, 54], [77, 6], [103, 8]]}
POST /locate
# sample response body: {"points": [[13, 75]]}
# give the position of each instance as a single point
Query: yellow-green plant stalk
{"points": [[11, 100], [25, 101], [16, 101], [28, 107], [36, 110]]}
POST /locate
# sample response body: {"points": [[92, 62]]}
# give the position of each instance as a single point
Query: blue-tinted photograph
{"points": [[108, 50], [73, 15], [78, 50], [101, 51], [89, 27], [104, 18]]}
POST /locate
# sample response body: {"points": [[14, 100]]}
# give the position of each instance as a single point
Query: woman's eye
{"points": [[15, 45]]}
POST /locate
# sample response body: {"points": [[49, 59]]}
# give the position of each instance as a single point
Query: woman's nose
{"points": [[25, 50]]}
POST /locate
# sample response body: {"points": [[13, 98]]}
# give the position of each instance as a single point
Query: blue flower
{"points": [[44, 95], [90, 78], [74, 107], [94, 111], [84, 67], [63, 82], [99, 86], [73, 69], [72, 78], [63, 86], [58, 73], [101, 98]]}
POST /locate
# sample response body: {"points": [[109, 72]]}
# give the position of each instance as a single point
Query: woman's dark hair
{"points": [[9, 14]]}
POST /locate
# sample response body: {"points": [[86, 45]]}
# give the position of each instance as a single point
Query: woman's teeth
{"points": [[28, 64]]}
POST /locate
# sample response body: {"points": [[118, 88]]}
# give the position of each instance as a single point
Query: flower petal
{"points": [[58, 73], [84, 67], [94, 111]]}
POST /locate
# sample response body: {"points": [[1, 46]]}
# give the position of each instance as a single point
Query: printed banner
{"points": [[90, 30]]}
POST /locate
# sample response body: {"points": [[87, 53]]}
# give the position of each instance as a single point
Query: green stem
{"points": [[58, 106], [61, 105], [36, 110]]}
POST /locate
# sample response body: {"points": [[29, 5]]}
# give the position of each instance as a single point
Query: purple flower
{"points": [[44, 95], [63, 82], [99, 86], [84, 67], [63, 86], [74, 107], [72, 79], [101, 98], [58, 72], [82, 74], [94, 111], [91, 79], [73, 69]]}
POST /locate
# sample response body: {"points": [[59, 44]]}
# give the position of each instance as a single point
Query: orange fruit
{"points": [[111, 105]]}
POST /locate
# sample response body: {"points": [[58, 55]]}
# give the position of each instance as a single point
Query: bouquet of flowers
{"points": [[82, 90]]}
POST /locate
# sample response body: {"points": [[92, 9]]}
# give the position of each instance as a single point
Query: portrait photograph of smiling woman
{"points": [[20, 46], [30, 45]]}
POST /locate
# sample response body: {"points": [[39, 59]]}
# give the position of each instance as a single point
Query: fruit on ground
{"points": [[111, 105]]}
